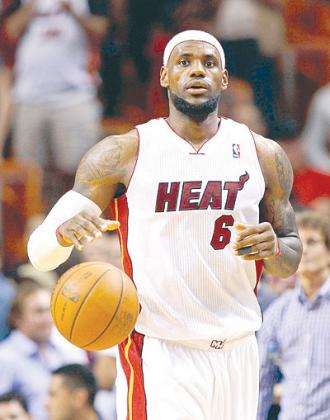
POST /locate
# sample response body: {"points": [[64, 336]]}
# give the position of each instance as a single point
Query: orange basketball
{"points": [[94, 305]]}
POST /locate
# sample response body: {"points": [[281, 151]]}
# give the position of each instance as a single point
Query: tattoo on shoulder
{"points": [[283, 169], [102, 162]]}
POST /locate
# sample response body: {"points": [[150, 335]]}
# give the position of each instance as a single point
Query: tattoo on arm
{"points": [[275, 207], [284, 172], [102, 163]]}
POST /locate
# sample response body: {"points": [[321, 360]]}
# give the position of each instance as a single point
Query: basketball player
{"points": [[202, 204]]}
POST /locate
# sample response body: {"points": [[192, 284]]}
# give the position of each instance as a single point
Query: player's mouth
{"points": [[197, 88]]}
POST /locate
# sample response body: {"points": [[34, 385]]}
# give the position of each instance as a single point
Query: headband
{"points": [[192, 36]]}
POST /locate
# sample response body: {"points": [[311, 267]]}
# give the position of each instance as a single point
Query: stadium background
{"points": [[279, 86]]}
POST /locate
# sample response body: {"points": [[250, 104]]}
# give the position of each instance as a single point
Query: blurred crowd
{"points": [[74, 71]]}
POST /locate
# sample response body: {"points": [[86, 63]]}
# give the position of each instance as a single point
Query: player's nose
{"points": [[197, 69]]}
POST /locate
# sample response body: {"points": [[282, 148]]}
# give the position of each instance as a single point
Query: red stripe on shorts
{"points": [[130, 352]]}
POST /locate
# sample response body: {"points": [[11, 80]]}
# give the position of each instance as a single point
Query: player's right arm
{"points": [[75, 219]]}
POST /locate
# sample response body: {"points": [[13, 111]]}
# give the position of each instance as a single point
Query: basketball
{"points": [[94, 305]]}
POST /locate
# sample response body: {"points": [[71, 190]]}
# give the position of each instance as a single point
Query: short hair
{"points": [[78, 376], [316, 220], [14, 396], [25, 289]]}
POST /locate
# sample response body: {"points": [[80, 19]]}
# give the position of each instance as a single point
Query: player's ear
{"points": [[225, 80], [164, 77]]}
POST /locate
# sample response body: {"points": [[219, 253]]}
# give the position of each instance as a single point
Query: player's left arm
{"points": [[275, 239]]}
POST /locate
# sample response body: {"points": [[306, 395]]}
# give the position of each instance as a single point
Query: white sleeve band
{"points": [[44, 251]]}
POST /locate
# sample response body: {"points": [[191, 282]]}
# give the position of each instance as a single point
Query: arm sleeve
{"points": [[44, 251], [268, 351]]}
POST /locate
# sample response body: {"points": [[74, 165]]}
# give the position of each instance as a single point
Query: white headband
{"points": [[193, 36]]}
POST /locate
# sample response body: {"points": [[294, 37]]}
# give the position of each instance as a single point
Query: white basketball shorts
{"points": [[159, 380]]}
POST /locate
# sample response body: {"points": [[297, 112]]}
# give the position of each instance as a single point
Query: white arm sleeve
{"points": [[44, 251]]}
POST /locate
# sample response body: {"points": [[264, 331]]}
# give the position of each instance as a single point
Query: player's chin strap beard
{"points": [[197, 112]]}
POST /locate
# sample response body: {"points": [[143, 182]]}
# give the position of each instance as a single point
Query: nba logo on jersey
{"points": [[236, 150]]}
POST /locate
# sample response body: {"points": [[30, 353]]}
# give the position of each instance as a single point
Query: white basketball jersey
{"points": [[177, 228]]}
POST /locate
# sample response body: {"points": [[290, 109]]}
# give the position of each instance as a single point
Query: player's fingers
{"points": [[243, 231], [253, 239], [253, 249], [112, 224], [257, 252], [104, 224], [79, 234], [90, 229], [252, 230], [85, 230], [241, 226], [70, 236]]}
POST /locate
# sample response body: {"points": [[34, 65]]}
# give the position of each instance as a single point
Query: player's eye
{"points": [[184, 62], [209, 63]]}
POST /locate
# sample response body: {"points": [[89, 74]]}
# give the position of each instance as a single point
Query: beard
{"points": [[200, 111]]}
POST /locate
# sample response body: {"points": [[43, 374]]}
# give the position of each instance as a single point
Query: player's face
{"points": [[12, 410], [316, 256], [194, 75], [35, 320], [59, 400]]}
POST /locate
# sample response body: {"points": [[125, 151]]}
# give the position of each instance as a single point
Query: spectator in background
{"points": [[105, 372], [237, 26], [54, 91], [311, 187], [71, 394], [316, 134], [196, 14], [7, 294], [295, 332], [271, 287], [13, 407], [141, 15], [33, 350], [5, 104], [237, 102]]}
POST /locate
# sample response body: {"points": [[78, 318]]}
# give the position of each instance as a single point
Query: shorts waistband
{"points": [[217, 345]]}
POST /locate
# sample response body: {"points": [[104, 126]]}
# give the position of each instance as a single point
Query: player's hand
{"points": [[255, 242], [82, 229]]}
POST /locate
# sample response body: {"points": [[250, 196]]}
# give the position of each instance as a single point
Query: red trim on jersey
{"points": [[259, 270], [119, 210], [130, 353], [196, 151], [137, 157]]}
